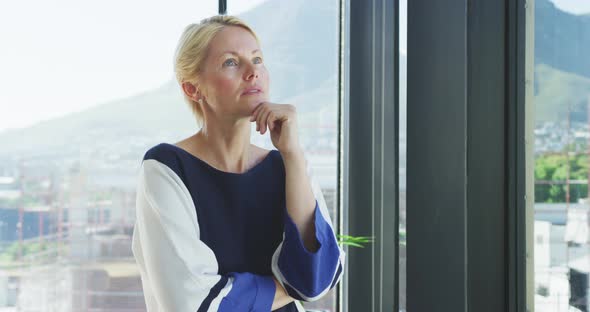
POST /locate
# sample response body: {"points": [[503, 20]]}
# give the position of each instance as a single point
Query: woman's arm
{"points": [[281, 296], [308, 262], [300, 198], [281, 120]]}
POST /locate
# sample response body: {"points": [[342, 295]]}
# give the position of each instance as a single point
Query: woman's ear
{"points": [[191, 90]]}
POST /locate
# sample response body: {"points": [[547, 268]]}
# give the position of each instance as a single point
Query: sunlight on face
{"points": [[234, 63]]}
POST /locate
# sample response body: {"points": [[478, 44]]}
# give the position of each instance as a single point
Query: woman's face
{"points": [[233, 65]]}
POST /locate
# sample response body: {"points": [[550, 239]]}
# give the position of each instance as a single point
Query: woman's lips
{"points": [[254, 92]]}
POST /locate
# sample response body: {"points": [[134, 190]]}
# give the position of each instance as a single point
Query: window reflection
{"points": [[403, 14]]}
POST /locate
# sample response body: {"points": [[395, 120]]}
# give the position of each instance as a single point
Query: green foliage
{"points": [[554, 168], [357, 241]]}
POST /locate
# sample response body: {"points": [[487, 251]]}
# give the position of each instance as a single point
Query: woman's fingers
{"points": [[266, 115], [271, 120], [259, 116], [256, 111], [264, 119], [255, 114]]}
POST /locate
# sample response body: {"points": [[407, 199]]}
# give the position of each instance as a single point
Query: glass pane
{"points": [[403, 14], [87, 88], [303, 69], [562, 101]]}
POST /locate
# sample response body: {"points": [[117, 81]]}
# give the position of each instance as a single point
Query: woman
{"points": [[221, 224]]}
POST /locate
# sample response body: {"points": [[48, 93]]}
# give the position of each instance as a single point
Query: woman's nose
{"points": [[252, 72]]}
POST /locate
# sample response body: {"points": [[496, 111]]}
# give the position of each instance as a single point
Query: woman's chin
{"points": [[248, 108], [253, 103]]}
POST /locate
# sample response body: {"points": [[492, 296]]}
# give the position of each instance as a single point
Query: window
{"points": [[87, 88], [562, 109], [303, 71]]}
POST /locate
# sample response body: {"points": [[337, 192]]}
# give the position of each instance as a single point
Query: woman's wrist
{"points": [[294, 159], [292, 153], [281, 297]]}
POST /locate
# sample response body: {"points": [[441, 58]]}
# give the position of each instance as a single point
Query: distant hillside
{"points": [[562, 58], [143, 113], [562, 40], [555, 90]]}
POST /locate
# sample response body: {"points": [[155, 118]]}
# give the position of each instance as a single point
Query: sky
{"points": [[573, 6], [63, 56]]}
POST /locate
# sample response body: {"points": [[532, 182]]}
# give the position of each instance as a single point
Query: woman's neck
{"points": [[227, 145]]}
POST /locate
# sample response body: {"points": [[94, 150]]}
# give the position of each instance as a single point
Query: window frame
{"points": [[370, 149], [471, 57], [369, 171]]}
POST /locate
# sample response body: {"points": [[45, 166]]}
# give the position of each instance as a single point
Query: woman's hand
{"points": [[281, 120], [281, 297]]}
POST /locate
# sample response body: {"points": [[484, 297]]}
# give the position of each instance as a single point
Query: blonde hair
{"points": [[192, 49]]}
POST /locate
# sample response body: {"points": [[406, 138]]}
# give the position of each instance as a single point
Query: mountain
{"points": [[302, 68], [562, 40], [555, 90], [161, 108], [562, 64]]}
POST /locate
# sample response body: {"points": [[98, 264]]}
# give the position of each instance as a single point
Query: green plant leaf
{"points": [[352, 244]]}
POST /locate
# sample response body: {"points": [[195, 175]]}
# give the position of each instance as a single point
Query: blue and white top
{"points": [[210, 240]]}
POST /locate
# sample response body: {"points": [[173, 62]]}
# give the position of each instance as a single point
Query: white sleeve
{"points": [[178, 270], [305, 275]]}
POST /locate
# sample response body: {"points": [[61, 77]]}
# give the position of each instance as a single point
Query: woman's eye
{"points": [[229, 62], [259, 60]]}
